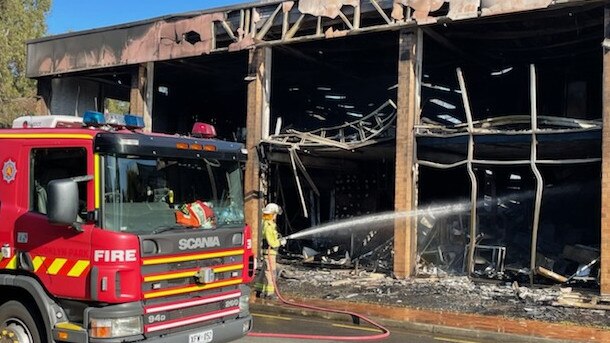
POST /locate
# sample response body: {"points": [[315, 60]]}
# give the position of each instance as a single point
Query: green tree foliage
{"points": [[116, 106], [20, 21]]}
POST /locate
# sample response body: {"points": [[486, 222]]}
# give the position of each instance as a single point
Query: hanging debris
{"points": [[371, 129]]}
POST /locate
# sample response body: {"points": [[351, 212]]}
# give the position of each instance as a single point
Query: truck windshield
{"points": [[147, 195]]}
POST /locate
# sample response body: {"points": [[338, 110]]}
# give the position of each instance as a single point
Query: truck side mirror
{"points": [[62, 205]]}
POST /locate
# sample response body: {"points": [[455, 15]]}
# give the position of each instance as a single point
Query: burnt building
{"points": [[475, 125]]}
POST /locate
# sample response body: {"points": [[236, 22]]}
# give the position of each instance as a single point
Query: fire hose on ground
{"points": [[384, 333]]}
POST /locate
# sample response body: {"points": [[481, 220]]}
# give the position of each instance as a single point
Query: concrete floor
{"points": [[281, 323]]}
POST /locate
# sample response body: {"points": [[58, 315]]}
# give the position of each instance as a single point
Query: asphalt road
{"points": [[318, 326]]}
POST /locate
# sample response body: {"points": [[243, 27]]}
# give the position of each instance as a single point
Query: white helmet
{"points": [[272, 208]]}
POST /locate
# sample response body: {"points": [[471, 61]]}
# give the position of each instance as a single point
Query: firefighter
{"points": [[272, 241]]}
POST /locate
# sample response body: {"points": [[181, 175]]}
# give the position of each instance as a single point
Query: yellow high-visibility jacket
{"points": [[271, 235]]}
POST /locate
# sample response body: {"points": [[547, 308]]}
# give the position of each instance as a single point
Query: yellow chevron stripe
{"points": [[37, 262], [164, 260], [172, 276], [12, 264], [56, 266], [158, 294], [78, 268]]}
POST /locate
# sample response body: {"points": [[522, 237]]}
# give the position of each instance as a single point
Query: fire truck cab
{"points": [[109, 234]]}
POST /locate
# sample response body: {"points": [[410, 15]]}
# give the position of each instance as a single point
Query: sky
{"points": [[78, 15]]}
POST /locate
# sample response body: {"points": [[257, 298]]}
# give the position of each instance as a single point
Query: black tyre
{"points": [[17, 324]]}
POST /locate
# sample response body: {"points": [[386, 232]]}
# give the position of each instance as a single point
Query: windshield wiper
{"points": [[162, 229], [228, 223]]}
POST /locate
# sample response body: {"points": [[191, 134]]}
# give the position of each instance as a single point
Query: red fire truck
{"points": [[109, 234]]}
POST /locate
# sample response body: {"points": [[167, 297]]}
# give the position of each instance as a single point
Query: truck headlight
{"points": [[244, 303], [115, 327]]}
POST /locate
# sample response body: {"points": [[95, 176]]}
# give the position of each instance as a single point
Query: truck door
{"points": [[58, 255]]}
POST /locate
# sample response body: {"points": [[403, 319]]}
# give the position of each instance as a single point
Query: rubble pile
{"points": [[457, 294]]}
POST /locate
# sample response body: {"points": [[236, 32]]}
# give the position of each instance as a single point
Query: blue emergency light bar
{"points": [[129, 121], [92, 118], [133, 121]]}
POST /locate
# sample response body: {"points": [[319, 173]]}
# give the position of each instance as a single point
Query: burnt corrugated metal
{"points": [[162, 40], [197, 33], [325, 8]]}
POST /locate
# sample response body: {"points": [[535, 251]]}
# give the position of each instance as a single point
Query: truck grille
{"points": [[175, 299]]}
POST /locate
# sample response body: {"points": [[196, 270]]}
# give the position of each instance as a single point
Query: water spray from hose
{"points": [[379, 220], [427, 216], [354, 224]]}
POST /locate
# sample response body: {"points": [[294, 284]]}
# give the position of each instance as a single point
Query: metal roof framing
{"points": [[252, 25]]}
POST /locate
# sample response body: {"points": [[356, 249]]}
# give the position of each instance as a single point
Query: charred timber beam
{"points": [[141, 94], [269, 23], [405, 237], [254, 186], [605, 208]]}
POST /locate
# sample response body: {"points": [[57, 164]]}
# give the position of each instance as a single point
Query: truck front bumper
{"points": [[225, 332], [217, 333]]}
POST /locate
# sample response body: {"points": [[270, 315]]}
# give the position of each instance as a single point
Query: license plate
{"points": [[202, 337]]}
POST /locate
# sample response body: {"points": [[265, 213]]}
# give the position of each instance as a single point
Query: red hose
{"points": [[385, 333]]}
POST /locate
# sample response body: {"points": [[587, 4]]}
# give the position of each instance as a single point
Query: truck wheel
{"points": [[17, 325]]}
